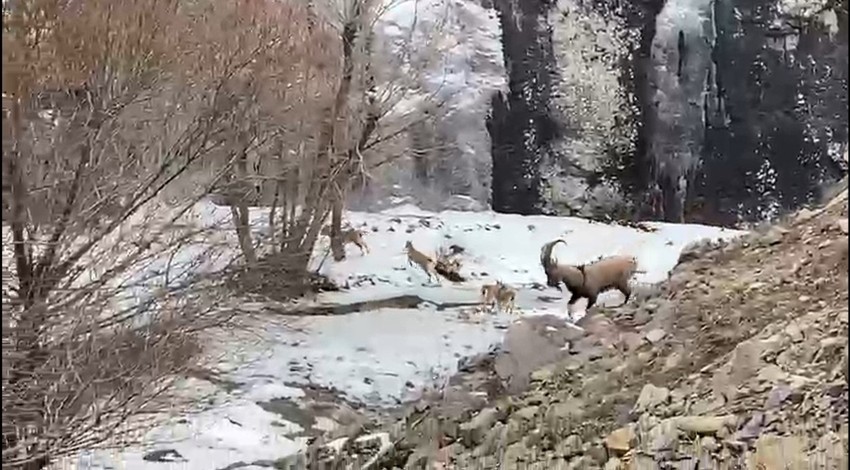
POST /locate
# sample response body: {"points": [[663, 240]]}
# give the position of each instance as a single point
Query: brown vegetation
{"points": [[117, 119]]}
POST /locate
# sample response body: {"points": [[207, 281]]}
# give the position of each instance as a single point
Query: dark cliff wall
{"points": [[739, 113], [782, 93], [521, 125]]}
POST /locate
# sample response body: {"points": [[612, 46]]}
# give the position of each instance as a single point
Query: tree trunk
{"points": [[239, 207], [337, 243]]}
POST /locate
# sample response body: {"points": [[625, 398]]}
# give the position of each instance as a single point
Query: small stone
{"points": [[560, 418], [621, 440], [656, 335], [804, 215], [526, 413], [650, 397], [672, 360], [598, 453], [793, 331], [842, 225], [664, 437], [474, 431], [580, 462], [491, 441], [515, 456], [779, 394], [542, 375], [569, 447], [632, 340], [772, 374], [709, 443], [164, 455], [642, 317], [752, 429], [705, 424]]}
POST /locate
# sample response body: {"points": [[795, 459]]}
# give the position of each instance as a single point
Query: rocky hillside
{"points": [[738, 361]]}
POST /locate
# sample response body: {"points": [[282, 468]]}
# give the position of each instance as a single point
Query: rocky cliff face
{"points": [[715, 111]]}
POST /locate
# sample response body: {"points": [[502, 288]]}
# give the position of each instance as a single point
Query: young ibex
{"points": [[589, 280], [350, 235], [427, 263], [498, 295]]}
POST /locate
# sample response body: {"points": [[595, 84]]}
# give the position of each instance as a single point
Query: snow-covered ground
{"points": [[388, 355]]}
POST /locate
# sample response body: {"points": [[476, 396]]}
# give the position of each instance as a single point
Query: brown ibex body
{"points": [[498, 295], [350, 236], [589, 280], [427, 263]]}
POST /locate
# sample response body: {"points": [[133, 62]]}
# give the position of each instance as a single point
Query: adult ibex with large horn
{"points": [[588, 280]]}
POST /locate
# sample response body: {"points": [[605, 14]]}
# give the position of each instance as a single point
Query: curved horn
{"points": [[546, 254]]}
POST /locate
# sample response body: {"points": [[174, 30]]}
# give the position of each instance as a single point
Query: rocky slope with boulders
{"points": [[739, 360]]}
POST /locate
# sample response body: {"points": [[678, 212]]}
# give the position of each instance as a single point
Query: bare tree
{"points": [[112, 112], [318, 125]]}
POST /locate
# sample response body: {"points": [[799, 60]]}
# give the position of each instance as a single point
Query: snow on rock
{"points": [[228, 432]]}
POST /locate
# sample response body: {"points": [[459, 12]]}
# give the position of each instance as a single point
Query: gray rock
{"points": [[530, 344], [709, 443], [580, 462], [774, 235], [569, 447], [542, 375], [752, 429], [515, 457], [777, 395], [597, 453], [560, 418], [705, 424], [621, 440], [526, 413], [656, 335], [492, 441], [164, 455], [474, 431], [650, 397], [664, 437]]}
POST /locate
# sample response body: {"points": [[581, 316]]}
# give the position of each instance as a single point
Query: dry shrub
{"points": [[118, 117]]}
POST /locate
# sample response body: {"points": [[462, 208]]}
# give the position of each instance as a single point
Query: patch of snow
{"points": [[228, 432]]}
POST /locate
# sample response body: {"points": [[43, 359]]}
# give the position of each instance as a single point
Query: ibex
{"points": [[589, 280], [422, 260], [498, 295]]}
